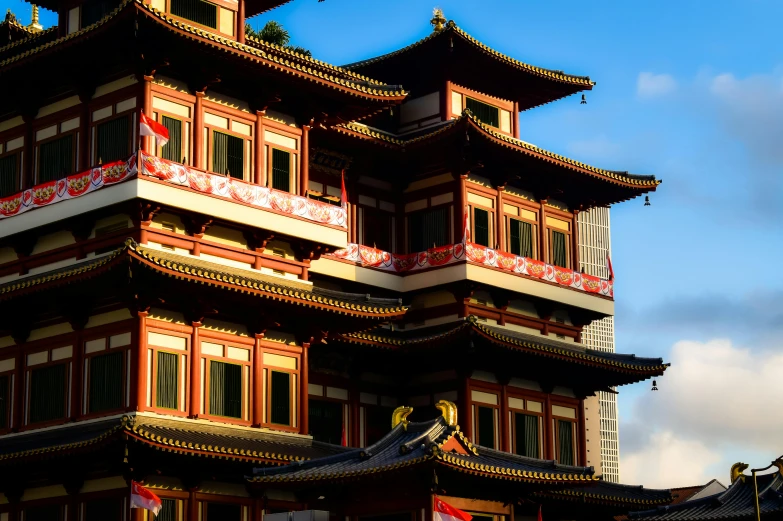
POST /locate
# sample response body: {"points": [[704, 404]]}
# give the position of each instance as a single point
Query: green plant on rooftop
{"points": [[274, 33]]}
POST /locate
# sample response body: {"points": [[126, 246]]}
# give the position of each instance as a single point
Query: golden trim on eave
{"points": [[576, 494], [60, 448]]}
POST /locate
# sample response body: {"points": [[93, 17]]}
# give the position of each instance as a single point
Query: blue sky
{"points": [[693, 93]]}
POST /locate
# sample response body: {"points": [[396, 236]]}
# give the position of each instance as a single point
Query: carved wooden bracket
{"points": [[196, 224], [258, 239], [306, 250], [145, 212]]}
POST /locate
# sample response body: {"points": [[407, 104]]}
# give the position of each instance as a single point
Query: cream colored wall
{"points": [[31, 494], [171, 83], [430, 181], [107, 88], [57, 106], [108, 318], [7, 255], [97, 485], [11, 123], [227, 101], [53, 241], [593, 432], [430, 300], [212, 324], [421, 107], [168, 218], [50, 331], [227, 236], [164, 315]]}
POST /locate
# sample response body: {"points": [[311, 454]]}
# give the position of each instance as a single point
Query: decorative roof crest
{"points": [[737, 471], [449, 411], [34, 24], [438, 20], [400, 416]]}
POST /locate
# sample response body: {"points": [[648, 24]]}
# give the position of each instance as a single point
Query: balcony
{"points": [[172, 184], [469, 261]]}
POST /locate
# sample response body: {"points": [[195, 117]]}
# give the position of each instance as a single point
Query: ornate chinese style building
{"points": [[209, 318]]}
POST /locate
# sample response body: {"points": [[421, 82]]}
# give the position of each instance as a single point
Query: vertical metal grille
{"points": [[96, 10], [43, 513], [103, 509], [55, 159], [485, 113], [228, 155], [377, 227], [167, 389], [173, 149], [281, 170], [47, 393], [521, 235], [486, 427], [168, 510], [326, 421], [4, 386], [565, 440], [526, 435], [8, 175], [224, 512], [559, 249], [113, 139], [106, 382], [428, 228], [197, 11], [281, 398], [225, 389]]}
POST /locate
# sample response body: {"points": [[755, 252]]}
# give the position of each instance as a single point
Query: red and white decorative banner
{"points": [[470, 252], [237, 190], [70, 187]]}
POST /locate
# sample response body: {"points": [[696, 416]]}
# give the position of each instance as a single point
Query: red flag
{"points": [[609, 265], [344, 440], [143, 498], [343, 193], [539, 514], [150, 127], [442, 511]]}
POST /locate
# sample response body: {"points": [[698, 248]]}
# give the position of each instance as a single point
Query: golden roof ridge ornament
{"points": [[449, 411], [737, 471], [34, 24], [400, 416], [438, 20]]}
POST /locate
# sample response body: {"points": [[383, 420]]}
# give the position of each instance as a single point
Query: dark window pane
{"points": [[103, 509], [168, 510], [173, 149], [428, 228], [4, 396], [96, 10], [225, 389], [43, 513], [378, 423], [559, 249], [485, 113], [486, 427], [47, 393], [481, 225], [223, 512], [113, 140], [9, 183], [402, 516], [228, 155], [565, 441], [55, 159], [167, 389], [106, 382], [197, 11], [526, 435], [281, 398], [281, 170], [521, 235], [377, 229], [326, 421]]}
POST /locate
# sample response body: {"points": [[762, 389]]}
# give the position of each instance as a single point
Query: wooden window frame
{"points": [[152, 371], [492, 233], [346, 411], [245, 503], [216, 30], [248, 174], [247, 395], [274, 127], [10, 393], [569, 237], [362, 220], [294, 165], [574, 426], [497, 410], [499, 103], [74, 153], [542, 428], [189, 128], [185, 138], [450, 227], [18, 153], [94, 131], [265, 386], [84, 404], [534, 223], [28, 382]]}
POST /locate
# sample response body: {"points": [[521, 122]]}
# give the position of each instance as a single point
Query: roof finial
{"points": [[438, 20], [34, 25]]}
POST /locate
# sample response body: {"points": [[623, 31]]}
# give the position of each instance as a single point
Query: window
{"points": [[106, 382], [55, 159], [224, 512], [558, 254], [280, 398], [43, 513], [526, 435], [520, 238], [173, 149], [225, 389], [9, 170], [565, 442], [96, 10], [167, 384], [202, 13], [326, 421], [481, 227], [281, 170], [5, 395], [485, 409], [103, 509], [228, 156], [427, 229], [486, 427], [377, 229], [168, 510], [483, 112], [113, 139], [47, 393]]}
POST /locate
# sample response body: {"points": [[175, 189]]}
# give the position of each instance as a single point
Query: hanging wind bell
{"points": [[646, 200], [584, 100], [654, 386]]}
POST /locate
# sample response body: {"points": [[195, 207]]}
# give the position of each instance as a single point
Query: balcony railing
{"points": [[76, 185], [475, 254]]}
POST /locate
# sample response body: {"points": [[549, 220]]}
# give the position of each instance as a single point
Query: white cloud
{"points": [[716, 401], [649, 85]]}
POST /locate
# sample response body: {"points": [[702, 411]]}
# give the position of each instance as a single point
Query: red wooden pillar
{"points": [[581, 436], [505, 444], [500, 232], [192, 514], [304, 168], [141, 362], [258, 382], [461, 201], [241, 22], [198, 132], [18, 410], [258, 159], [304, 394], [445, 108], [146, 102], [195, 372], [542, 242], [515, 120], [549, 450]]}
